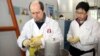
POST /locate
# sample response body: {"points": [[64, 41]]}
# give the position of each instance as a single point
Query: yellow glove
{"points": [[32, 51], [26, 43], [36, 41], [73, 40], [35, 44]]}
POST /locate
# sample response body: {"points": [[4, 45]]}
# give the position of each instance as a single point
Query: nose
{"points": [[79, 17], [35, 15]]}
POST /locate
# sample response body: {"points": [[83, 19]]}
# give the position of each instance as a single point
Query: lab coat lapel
{"points": [[44, 26], [38, 31], [86, 27], [76, 29], [80, 29]]}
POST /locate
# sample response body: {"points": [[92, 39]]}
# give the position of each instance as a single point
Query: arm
{"points": [[22, 37], [69, 35]]}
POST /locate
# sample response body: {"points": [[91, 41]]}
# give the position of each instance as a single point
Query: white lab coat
{"points": [[98, 49], [98, 46], [87, 32], [50, 27]]}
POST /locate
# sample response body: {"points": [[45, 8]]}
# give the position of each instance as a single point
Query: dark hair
{"points": [[60, 15], [41, 5], [83, 5]]}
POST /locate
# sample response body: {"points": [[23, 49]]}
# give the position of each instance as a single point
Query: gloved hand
{"points": [[73, 40], [36, 41], [26, 43], [34, 47], [35, 44]]}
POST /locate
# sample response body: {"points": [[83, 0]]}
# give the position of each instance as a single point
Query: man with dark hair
{"points": [[38, 29], [83, 5], [62, 17], [83, 33]]}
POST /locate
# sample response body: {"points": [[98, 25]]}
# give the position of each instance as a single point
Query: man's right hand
{"points": [[26, 42]]}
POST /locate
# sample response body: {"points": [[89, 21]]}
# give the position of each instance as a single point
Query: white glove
{"points": [[26, 42]]}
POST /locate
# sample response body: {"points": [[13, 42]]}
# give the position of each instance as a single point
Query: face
{"points": [[81, 14], [36, 11]]}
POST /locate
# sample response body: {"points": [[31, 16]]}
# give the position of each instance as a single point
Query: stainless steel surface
{"points": [[41, 52]]}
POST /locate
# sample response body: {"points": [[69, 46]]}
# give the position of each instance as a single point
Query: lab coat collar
{"points": [[41, 30], [47, 19], [81, 22]]}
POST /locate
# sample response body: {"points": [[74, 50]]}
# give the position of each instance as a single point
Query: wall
{"points": [[19, 5], [55, 7], [66, 8], [3, 9], [8, 40], [8, 44], [98, 3]]}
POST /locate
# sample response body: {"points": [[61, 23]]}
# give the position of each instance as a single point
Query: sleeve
{"points": [[58, 34], [94, 35], [69, 32], [22, 37], [98, 48]]}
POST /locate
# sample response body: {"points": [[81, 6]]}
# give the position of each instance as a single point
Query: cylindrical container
{"points": [[52, 47]]}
